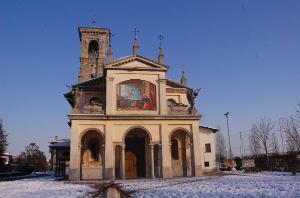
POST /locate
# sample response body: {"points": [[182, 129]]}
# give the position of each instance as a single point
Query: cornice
{"points": [[132, 117]]}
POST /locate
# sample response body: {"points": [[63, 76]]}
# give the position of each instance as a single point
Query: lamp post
{"points": [[230, 152]]}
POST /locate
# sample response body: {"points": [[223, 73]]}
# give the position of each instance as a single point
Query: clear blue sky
{"points": [[243, 54]]}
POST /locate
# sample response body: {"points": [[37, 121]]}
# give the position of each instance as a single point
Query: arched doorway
{"points": [[181, 153], [92, 160], [137, 154]]}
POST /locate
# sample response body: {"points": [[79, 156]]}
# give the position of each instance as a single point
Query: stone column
{"points": [[152, 160], [170, 151], [159, 161], [103, 160], [123, 162]]}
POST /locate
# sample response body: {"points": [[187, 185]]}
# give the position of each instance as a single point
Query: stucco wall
{"points": [[207, 136]]}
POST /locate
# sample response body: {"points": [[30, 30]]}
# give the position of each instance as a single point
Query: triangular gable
{"points": [[136, 63]]}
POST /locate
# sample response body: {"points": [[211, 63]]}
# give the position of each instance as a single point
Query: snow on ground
{"points": [[42, 187], [264, 184]]}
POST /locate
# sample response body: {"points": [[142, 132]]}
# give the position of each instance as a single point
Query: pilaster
{"points": [[75, 153], [166, 153], [162, 97], [109, 153], [196, 147]]}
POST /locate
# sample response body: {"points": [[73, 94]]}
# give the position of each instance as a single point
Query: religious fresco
{"points": [[136, 95]]}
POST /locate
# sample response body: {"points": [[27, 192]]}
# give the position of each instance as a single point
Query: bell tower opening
{"points": [[93, 48], [94, 44]]}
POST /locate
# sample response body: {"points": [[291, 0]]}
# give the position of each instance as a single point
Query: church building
{"points": [[128, 120]]}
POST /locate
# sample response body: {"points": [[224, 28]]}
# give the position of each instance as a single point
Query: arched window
{"points": [[174, 149], [94, 147], [171, 102], [93, 47], [95, 101]]}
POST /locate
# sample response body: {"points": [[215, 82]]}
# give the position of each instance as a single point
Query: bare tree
{"points": [[220, 146], [3, 143], [254, 144], [262, 131], [291, 128], [274, 144]]}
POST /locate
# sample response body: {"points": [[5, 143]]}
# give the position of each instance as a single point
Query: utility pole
{"points": [[230, 152]]}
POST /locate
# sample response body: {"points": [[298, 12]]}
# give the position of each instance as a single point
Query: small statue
{"points": [[192, 95], [76, 93]]}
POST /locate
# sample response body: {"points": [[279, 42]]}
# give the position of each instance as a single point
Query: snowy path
{"points": [[250, 185], [43, 187]]}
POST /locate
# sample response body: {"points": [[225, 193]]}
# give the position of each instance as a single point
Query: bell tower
{"points": [[94, 43]]}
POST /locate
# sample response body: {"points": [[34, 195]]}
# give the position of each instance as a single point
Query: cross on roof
{"points": [[161, 38], [135, 33], [110, 36], [94, 23]]}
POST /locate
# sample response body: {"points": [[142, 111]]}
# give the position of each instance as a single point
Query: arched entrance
{"points": [[137, 154], [92, 160], [181, 153]]}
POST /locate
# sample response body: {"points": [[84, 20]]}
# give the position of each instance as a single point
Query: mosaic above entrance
{"points": [[136, 95]]}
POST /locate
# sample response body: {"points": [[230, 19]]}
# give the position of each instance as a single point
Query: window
{"points": [[171, 102], [207, 148], [174, 149], [206, 164], [95, 101], [93, 47]]}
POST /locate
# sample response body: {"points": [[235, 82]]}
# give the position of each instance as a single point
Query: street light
{"points": [[230, 152]]}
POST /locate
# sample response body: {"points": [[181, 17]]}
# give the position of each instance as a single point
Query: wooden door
{"points": [[130, 165]]}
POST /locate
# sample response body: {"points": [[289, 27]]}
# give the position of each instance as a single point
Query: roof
{"points": [[65, 143], [93, 29], [92, 81], [176, 84], [214, 130], [143, 59]]}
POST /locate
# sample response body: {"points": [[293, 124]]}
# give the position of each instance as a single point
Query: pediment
{"points": [[136, 63]]}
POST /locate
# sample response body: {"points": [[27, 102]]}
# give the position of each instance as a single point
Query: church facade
{"points": [[128, 120]]}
